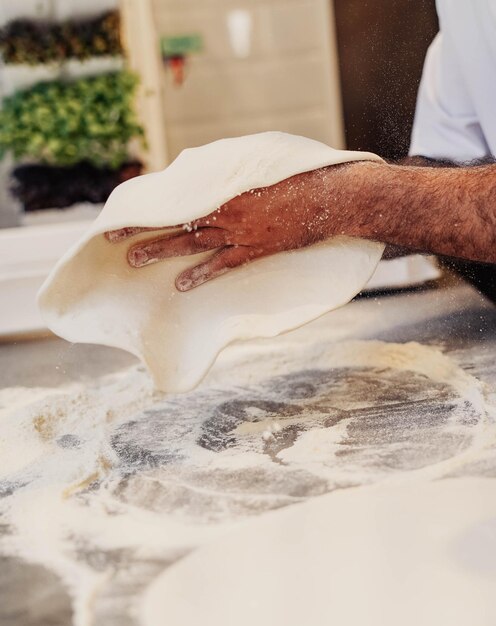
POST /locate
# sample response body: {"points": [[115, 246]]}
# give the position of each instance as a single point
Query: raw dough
{"points": [[93, 296], [382, 556]]}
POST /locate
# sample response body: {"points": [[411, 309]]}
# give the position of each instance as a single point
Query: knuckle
{"points": [[201, 242]]}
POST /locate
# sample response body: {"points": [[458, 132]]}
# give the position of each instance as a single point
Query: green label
{"points": [[180, 45]]}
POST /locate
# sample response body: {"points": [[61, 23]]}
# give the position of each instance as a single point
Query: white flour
{"points": [[115, 467]]}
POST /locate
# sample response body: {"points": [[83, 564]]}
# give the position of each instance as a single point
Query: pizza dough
{"points": [[94, 296], [421, 553]]}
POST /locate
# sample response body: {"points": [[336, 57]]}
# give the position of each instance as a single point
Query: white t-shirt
{"points": [[456, 106]]}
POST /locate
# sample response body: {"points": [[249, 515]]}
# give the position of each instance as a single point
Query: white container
{"points": [[16, 77], [74, 69], [77, 9], [53, 9]]}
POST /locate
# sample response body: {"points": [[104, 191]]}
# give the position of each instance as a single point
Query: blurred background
{"points": [[94, 92]]}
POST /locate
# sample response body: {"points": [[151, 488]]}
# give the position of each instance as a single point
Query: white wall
{"points": [[52, 9], [14, 9], [280, 75]]}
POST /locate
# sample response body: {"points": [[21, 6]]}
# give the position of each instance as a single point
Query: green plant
{"points": [[35, 42], [59, 123]]}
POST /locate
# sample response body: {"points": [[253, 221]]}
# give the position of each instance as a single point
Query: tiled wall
{"points": [[286, 80]]}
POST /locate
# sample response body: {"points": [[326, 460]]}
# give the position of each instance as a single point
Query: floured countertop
{"points": [[106, 483]]}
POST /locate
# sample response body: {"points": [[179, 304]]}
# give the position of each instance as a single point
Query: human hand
{"points": [[291, 214]]}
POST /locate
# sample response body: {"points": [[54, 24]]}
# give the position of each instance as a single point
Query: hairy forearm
{"points": [[445, 211]]}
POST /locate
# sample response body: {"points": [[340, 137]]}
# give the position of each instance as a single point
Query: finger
{"points": [[114, 236], [185, 244], [220, 263]]}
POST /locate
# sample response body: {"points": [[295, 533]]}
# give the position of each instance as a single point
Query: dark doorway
{"points": [[382, 46]]}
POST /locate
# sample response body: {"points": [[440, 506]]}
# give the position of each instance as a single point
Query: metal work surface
{"points": [[123, 482]]}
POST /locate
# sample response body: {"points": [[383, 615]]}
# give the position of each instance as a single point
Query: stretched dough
{"points": [[93, 296]]}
